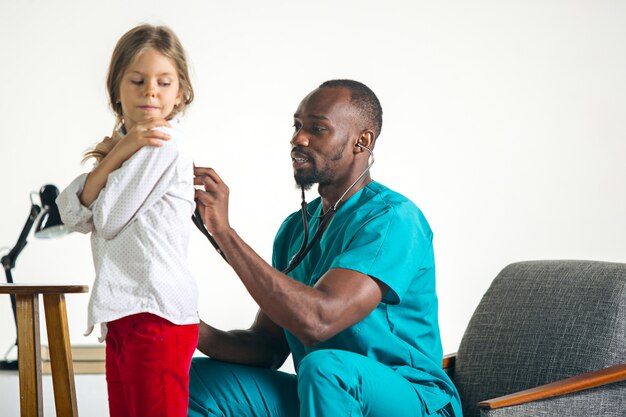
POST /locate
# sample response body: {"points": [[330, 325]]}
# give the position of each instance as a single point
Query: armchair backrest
{"points": [[539, 322]]}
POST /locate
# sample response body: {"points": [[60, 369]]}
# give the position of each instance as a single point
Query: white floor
{"points": [[91, 395]]}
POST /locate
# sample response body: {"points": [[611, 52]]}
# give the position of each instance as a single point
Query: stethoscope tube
{"points": [[197, 220], [326, 218]]}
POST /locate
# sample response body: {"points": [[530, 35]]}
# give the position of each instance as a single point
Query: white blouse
{"points": [[140, 225]]}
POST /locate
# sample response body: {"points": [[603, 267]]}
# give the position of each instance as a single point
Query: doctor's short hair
{"points": [[364, 100]]}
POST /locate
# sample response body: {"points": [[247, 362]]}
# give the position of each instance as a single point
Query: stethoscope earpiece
{"points": [[363, 147]]}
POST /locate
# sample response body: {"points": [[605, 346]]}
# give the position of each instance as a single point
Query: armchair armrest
{"points": [[448, 364], [576, 383], [449, 361]]}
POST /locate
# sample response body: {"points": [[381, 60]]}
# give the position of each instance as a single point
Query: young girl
{"points": [[137, 203]]}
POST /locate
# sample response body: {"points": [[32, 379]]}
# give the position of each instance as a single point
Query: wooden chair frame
{"points": [[600, 377]]}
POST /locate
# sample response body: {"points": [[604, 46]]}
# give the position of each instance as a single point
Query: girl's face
{"points": [[149, 88]]}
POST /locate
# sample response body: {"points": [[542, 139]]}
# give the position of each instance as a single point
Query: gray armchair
{"points": [[547, 339]]}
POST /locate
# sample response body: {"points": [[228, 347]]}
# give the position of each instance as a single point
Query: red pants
{"points": [[147, 366]]}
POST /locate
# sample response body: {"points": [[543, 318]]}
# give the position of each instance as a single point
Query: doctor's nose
{"points": [[299, 138]]}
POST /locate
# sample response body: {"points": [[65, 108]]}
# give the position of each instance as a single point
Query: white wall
{"points": [[504, 121]]}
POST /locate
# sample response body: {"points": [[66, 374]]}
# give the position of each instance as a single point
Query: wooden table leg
{"points": [[29, 354], [29, 346], [60, 355]]}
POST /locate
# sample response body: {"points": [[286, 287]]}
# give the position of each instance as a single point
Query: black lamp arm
{"points": [[8, 261]]}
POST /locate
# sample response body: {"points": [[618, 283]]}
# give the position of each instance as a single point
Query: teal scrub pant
{"points": [[329, 383]]}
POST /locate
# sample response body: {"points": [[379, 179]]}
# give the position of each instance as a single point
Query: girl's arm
{"points": [[140, 182], [76, 200], [142, 134]]}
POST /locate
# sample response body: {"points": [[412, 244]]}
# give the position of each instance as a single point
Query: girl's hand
{"points": [[140, 135]]}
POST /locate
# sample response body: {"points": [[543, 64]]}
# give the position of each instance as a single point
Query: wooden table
{"points": [[29, 346]]}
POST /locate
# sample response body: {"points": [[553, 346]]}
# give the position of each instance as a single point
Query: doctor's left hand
{"points": [[213, 200]]}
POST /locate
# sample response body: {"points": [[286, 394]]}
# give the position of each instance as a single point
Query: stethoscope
{"points": [[324, 222]]}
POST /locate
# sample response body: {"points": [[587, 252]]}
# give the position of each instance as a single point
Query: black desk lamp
{"points": [[48, 225]]}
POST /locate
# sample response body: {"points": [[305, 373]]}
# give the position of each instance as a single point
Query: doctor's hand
{"points": [[212, 202]]}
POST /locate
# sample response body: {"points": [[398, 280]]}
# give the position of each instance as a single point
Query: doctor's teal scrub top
{"points": [[379, 233]]}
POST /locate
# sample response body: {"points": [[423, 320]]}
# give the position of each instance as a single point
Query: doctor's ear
{"points": [[365, 141]]}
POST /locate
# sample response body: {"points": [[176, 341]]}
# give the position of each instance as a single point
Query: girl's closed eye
{"points": [[137, 81]]}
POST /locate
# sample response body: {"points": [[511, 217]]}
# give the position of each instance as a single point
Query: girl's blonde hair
{"points": [[131, 44]]}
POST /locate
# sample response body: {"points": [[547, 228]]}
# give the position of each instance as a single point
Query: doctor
{"points": [[357, 307]]}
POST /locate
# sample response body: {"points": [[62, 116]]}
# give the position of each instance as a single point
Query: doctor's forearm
{"points": [[247, 347], [290, 304]]}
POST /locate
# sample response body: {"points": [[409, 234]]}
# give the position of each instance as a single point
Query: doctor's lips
{"points": [[299, 158]]}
